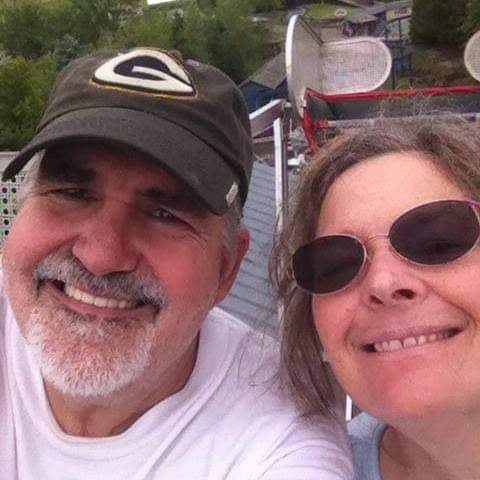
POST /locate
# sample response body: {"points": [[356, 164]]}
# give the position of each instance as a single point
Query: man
{"points": [[113, 363]]}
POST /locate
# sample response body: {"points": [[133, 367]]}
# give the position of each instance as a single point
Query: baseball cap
{"points": [[187, 116]]}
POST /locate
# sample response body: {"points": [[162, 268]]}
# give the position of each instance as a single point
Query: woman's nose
{"points": [[390, 281]]}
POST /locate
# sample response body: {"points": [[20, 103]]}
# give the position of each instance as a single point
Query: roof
{"points": [[362, 17], [251, 299], [271, 74], [376, 9], [399, 4]]}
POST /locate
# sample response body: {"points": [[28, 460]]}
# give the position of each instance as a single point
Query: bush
{"points": [[23, 96], [472, 17], [192, 31], [438, 23], [266, 5], [23, 29], [66, 49], [30, 29], [237, 45], [153, 30]]}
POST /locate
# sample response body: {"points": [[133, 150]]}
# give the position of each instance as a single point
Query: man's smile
{"points": [[80, 290], [86, 303], [101, 302]]}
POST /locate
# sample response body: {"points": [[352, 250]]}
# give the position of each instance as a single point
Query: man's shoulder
{"points": [[259, 346], [254, 352], [222, 319], [251, 406], [248, 361]]}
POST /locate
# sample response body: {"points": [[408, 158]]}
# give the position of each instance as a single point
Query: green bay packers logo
{"points": [[146, 70]]}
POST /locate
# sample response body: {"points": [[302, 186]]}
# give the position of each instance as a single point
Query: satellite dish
{"points": [[471, 56], [357, 65], [340, 13]]}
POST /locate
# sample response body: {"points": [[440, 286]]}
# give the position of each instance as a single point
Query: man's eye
{"points": [[164, 215]]}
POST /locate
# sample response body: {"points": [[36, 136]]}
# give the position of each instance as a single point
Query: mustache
{"points": [[64, 267]]}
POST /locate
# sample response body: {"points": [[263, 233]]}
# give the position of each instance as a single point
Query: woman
{"points": [[378, 268]]}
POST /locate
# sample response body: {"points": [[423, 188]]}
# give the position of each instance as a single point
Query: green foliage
{"points": [[153, 29], [194, 30], [236, 44], [59, 20], [260, 6], [219, 32], [93, 18], [25, 89], [42, 37], [29, 28], [67, 49], [438, 23], [22, 29], [472, 17]]}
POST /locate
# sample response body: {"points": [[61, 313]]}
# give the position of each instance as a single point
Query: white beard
{"points": [[84, 357]]}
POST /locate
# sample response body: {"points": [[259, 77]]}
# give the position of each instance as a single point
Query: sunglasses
{"points": [[432, 234]]}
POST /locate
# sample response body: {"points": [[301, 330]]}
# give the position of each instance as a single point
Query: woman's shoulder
{"points": [[366, 429], [365, 433]]}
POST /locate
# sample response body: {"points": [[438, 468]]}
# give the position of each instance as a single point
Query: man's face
{"points": [[110, 269]]}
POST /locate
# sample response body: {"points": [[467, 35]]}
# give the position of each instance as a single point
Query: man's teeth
{"points": [[101, 302], [409, 342]]}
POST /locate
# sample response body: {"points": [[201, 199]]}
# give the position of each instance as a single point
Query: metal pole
{"points": [[348, 408], [281, 173]]}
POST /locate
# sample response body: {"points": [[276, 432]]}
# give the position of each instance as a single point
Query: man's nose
{"points": [[391, 281], [105, 242]]}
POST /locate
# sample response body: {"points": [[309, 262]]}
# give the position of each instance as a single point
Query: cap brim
{"points": [[176, 150]]}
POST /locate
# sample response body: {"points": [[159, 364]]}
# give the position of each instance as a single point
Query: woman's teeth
{"points": [[101, 302], [410, 342]]}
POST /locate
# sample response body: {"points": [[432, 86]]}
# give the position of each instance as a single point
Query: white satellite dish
{"points": [[357, 65], [471, 56]]}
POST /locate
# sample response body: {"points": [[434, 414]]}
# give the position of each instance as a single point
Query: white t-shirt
{"points": [[229, 422]]}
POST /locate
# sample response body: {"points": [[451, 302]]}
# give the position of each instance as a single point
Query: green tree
{"points": [[59, 18], [67, 48], [93, 18], [152, 29], [438, 23], [237, 45], [30, 28], [472, 17], [193, 33], [23, 30], [23, 96], [266, 5]]}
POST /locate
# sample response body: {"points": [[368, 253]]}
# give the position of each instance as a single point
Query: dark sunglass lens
{"points": [[436, 233], [328, 263]]}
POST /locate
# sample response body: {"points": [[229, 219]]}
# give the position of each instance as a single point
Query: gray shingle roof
{"points": [[251, 299], [362, 17], [271, 74]]}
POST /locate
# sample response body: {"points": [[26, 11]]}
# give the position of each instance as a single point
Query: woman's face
{"points": [[393, 300]]}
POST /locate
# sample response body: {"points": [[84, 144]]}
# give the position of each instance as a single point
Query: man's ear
{"points": [[231, 263]]}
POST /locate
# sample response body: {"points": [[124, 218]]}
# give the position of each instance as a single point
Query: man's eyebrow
{"points": [[180, 201]]}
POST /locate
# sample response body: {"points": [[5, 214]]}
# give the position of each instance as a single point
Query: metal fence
{"points": [[8, 196]]}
